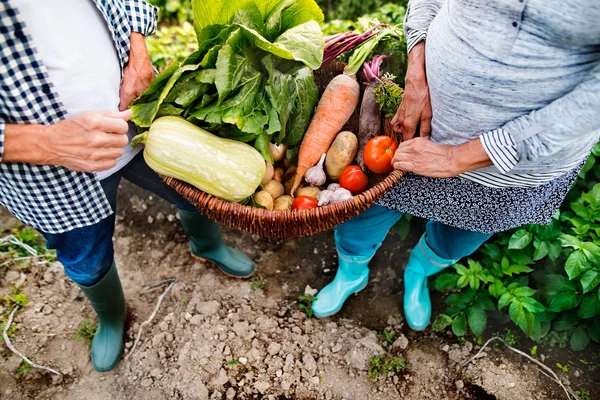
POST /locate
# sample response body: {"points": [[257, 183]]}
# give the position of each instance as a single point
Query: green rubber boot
{"points": [[206, 243], [108, 301]]}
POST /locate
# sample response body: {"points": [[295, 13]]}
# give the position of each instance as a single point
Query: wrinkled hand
{"points": [[415, 108], [423, 157], [138, 74], [89, 142]]}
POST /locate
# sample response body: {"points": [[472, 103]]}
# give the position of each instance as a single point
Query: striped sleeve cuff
{"points": [[413, 37], [142, 17], [501, 148], [2, 126]]}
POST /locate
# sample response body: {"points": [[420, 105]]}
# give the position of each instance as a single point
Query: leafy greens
{"points": [[251, 78]]}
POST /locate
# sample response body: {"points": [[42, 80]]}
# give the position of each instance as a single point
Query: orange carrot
{"points": [[335, 108]]}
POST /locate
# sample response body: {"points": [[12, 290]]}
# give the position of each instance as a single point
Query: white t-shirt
{"points": [[77, 48]]}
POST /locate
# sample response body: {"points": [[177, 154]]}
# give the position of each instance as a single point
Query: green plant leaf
{"points": [[461, 298], [496, 289], [541, 250], [306, 96], [445, 281], [477, 319], [459, 325], [576, 264], [485, 301], [555, 250], [463, 281], [589, 307], [492, 251], [504, 300], [590, 280], [563, 301], [593, 329], [517, 269], [524, 291], [564, 325], [281, 15], [520, 239], [520, 316], [441, 322], [531, 304], [570, 241], [580, 339], [582, 211]]}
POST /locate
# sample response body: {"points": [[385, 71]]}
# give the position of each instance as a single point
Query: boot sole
{"points": [[223, 272], [320, 316]]}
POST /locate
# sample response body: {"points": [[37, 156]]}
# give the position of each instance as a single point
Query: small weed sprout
{"points": [[86, 331], [387, 337], [583, 394], [257, 283], [306, 301], [23, 368], [383, 365]]}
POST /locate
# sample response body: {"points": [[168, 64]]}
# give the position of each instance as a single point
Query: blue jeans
{"points": [[87, 253], [362, 235]]}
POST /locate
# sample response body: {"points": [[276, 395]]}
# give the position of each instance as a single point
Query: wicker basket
{"points": [[296, 223]]}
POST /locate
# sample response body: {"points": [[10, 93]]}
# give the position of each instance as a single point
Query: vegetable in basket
{"points": [[250, 78], [225, 168], [335, 109], [342, 94]]}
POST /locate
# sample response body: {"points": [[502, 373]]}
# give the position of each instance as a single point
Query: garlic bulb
{"points": [[315, 176], [333, 187], [339, 195], [324, 197]]}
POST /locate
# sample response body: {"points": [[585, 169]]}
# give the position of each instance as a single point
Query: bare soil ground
{"points": [[220, 338]]}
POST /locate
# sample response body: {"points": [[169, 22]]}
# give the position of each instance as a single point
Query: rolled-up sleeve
{"points": [[2, 126], [142, 16], [573, 118], [419, 15], [500, 147]]}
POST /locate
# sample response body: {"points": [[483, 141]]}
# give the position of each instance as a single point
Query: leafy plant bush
{"points": [[171, 43], [353, 9], [546, 277], [173, 11]]}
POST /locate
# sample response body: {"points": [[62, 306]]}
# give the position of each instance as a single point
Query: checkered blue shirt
{"points": [[50, 198]]}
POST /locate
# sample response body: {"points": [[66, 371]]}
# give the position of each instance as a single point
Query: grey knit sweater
{"points": [[522, 75]]}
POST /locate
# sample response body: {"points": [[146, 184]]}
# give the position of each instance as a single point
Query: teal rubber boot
{"points": [[352, 276], [108, 301], [423, 262], [206, 243]]}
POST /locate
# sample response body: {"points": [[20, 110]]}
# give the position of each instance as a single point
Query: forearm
{"points": [[24, 143], [137, 48], [469, 156], [416, 63]]}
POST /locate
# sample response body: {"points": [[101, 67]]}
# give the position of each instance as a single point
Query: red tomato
{"points": [[379, 153], [304, 203], [354, 179]]}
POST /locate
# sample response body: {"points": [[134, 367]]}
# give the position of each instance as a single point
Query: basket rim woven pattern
{"points": [[294, 223]]}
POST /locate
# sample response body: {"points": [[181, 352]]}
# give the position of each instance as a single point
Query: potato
{"points": [[341, 154], [290, 174], [284, 203], [274, 188], [278, 174], [309, 191], [269, 170], [277, 151], [288, 186], [264, 199]]}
